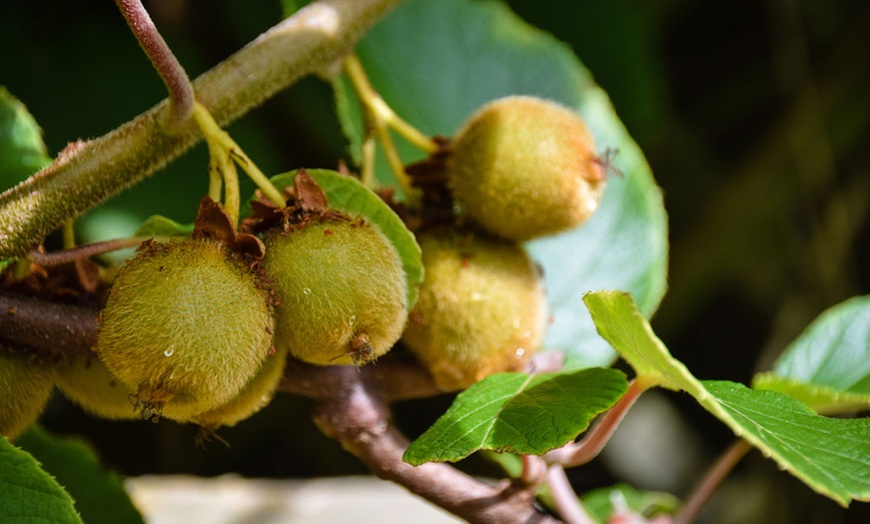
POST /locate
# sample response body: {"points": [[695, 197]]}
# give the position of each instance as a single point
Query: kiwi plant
{"points": [[25, 387], [89, 383], [342, 290], [481, 310], [525, 167], [186, 326]]}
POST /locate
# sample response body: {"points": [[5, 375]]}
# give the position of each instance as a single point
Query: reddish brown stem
{"points": [[593, 442], [46, 325], [711, 481], [565, 498], [82, 252], [176, 80]]}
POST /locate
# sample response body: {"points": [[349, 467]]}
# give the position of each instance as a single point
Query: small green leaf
{"points": [[828, 365], [160, 226], [99, 494], [436, 61], [832, 456], [348, 195], [519, 413], [602, 503], [22, 151], [28, 495]]}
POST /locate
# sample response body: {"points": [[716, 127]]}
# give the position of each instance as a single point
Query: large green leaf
{"points": [[28, 495], [348, 195], [99, 494], [22, 151], [519, 413], [436, 61], [830, 455], [828, 365]]}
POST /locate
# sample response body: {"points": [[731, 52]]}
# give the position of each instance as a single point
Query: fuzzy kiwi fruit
{"points": [[185, 327], [481, 309], [88, 382], [25, 388], [524, 167], [342, 290]]}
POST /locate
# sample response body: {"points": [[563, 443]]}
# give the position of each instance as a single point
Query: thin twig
{"points": [[82, 252], [576, 454], [565, 498], [177, 83], [711, 481]]}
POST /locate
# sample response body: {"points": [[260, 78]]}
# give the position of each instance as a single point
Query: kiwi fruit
{"points": [[341, 287], [256, 395], [524, 167], [87, 382], [481, 309], [186, 325], [25, 388]]}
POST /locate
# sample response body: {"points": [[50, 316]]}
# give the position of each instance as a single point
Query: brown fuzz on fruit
{"points": [[185, 327], [25, 388], [524, 167], [481, 309], [88, 382], [342, 290]]}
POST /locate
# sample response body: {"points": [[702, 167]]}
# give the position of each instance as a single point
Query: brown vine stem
{"points": [[45, 325], [85, 175], [177, 83], [82, 252]]}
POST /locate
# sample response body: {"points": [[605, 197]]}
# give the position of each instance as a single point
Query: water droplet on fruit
{"points": [[307, 291], [169, 351], [476, 296], [520, 352], [352, 320]]}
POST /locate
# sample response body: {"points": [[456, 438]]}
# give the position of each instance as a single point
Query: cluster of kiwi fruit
{"points": [[520, 168], [197, 329]]}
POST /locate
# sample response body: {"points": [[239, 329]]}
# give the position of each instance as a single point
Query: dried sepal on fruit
{"points": [[481, 310], [342, 290], [524, 167], [185, 327], [25, 387]]}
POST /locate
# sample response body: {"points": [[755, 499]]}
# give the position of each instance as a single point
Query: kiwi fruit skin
{"points": [[342, 291], [86, 381], [185, 327], [524, 167], [25, 388], [481, 309], [256, 395]]}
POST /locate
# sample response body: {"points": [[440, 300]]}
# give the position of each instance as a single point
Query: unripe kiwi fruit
{"points": [[256, 395], [481, 309], [185, 327], [88, 382], [524, 167], [342, 291], [25, 388]]}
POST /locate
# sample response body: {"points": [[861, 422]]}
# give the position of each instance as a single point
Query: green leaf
{"points": [[160, 226], [22, 151], [602, 503], [828, 365], [519, 413], [348, 195], [99, 494], [436, 61], [832, 456], [29, 494]]}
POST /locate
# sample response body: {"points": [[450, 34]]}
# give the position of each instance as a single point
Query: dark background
{"points": [[755, 118]]}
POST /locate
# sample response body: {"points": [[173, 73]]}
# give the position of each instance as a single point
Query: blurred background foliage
{"points": [[755, 118]]}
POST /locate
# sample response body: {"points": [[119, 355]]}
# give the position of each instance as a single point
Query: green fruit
{"points": [[186, 325], [342, 291], [25, 388], [89, 383], [254, 396], [523, 167], [481, 309]]}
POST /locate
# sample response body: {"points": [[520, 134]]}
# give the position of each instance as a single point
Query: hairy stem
{"points": [[565, 499], [711, 481], [89, 173], [167, 66]]}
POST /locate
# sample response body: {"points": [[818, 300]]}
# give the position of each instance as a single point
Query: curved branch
{"points": [[45, 325], [88, 173]]}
